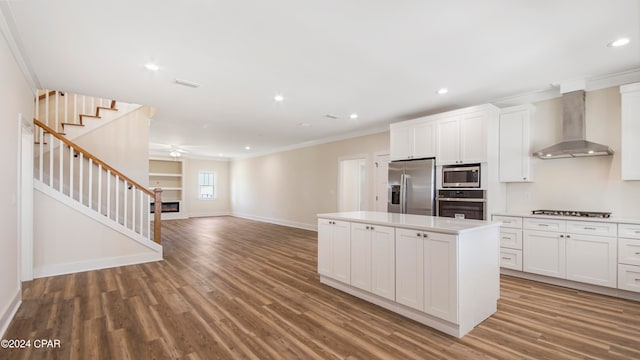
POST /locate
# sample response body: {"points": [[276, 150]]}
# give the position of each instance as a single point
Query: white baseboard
{"points": [[313, 227], [9, 312], [209, 214], [95, 264]]}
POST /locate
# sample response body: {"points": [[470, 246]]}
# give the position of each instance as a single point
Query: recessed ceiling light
{"points": [[278, 98], [220, 154], [152, 67], [442, 91], [353, 116], [247, 147], [619, 42]]}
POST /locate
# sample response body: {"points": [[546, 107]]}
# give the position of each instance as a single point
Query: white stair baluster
{"points": [[80, 177], [71, 172]]}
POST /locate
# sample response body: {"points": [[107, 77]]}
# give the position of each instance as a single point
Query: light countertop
{"points": [[409, 221], [612, 219]]}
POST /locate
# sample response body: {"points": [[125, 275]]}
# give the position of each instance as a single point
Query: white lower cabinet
{"points": [[544, 253], [440, 276], [334, 249], [426, 272], [511, 259], [510, 242], [629, 257], [373, 259], [409, 268], [591, 259]]}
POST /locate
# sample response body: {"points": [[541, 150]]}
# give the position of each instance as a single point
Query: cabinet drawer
{"points": [[511, 259], [629, 277], [629, 251], [592, 228], [629, 231], [544, 224], [511, 238], [509, 221]]}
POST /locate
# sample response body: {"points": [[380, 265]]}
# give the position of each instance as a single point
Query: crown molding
{"points": [[10, 32]]}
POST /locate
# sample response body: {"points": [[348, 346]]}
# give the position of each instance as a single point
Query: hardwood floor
{"points": [[231, 288]]}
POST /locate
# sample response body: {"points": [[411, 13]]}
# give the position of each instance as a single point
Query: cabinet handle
{"points": [[367, 228], [637, 231], [568, 236], [372, 228], [506, 258], [545, 225], [637, 252], [419, 235], [561, 236], [589, 228], [425, 235], [506, 238], [524, 178]]}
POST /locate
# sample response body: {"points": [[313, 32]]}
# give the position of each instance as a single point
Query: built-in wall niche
{"points": [[167, 175]]}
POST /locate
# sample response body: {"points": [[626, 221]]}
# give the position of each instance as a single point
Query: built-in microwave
{"points": [[461, 176]]}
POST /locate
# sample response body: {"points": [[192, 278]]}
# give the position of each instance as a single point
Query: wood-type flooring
{"points": [[232, 288]]}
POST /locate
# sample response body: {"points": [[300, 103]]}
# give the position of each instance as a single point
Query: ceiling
{"points": [[383, 60]]}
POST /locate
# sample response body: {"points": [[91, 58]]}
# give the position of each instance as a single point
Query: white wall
{"points": [[123, 144], [588, 184], [67, 241], [15, 97], [195, 207], [291, 187]]}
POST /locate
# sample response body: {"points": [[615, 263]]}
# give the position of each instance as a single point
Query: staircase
{"points": [[107, 203]]}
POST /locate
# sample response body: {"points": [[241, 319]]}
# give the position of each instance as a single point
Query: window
{"points": [[206, 185]]}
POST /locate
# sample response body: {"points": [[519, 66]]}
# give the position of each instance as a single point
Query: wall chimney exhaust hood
{"points": [[573, 142]]}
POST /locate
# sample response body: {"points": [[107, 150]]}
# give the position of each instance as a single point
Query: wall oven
{"points": [[462, 204], [461, 176]]}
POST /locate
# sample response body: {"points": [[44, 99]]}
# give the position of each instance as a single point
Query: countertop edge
{"points": [[616, 220]]}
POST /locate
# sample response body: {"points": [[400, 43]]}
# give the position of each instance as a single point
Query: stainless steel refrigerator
{"points": [[412, 187]]}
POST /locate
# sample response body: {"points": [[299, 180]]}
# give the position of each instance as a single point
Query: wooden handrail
{"points": [[92, 157]]}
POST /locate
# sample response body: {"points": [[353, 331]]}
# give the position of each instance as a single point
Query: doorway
{"points": [[381, 181], [352, 184]]}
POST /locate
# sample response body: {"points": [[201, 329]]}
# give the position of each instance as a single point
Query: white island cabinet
{"points": [[441, 272]]}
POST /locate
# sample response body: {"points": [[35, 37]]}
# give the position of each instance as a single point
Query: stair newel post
{"points": [[157, 214]]}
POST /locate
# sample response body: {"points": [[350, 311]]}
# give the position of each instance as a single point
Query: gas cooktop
{"points": [[593, 214]]}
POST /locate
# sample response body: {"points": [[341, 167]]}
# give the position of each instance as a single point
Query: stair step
{"points": [[107, 108], [91, 116], [70, 124]]}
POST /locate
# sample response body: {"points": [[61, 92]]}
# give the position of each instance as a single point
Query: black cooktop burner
{"points": [[594, 214]]}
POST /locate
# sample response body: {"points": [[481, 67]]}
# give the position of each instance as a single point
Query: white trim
{"points": [[8, 28], [9, 312], [624, 294], [209, 214], [25, 203], [311, 227], [95, 264], [45, 189]]}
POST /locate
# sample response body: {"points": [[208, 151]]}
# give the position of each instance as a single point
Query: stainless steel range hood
{"points": [[573, 142]]}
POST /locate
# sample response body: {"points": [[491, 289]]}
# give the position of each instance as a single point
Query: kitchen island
{"points": [[441, 272]]}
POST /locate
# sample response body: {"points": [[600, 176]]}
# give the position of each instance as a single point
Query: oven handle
{"points": [[461, 199]]}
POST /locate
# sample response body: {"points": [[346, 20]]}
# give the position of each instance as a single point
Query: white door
{"points": [[543, 252], [440, 276], [448, 143], [361, 256], [383, 260], [424, 140], [401, 142], [592, 259], [409, 268], [473, 147], [382, 182]]}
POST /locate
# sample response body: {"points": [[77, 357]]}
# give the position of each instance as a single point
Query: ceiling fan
{"points": [[174, 151]]}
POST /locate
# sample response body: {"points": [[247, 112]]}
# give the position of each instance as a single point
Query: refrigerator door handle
{"points": [[403, 193]]}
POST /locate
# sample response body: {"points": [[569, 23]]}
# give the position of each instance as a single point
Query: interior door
{"points": [[382, 182]]}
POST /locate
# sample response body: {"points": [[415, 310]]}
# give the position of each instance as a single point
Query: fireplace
{"points": [[168, 207]]}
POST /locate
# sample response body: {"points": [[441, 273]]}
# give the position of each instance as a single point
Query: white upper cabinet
{"points": [[462, 139], [413, 139], [630, 127], [514, 153]]}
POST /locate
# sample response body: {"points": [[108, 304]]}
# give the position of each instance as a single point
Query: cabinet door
{"points": [[409, 268], [441, 276], [630, 131], [401, 142], [448, 142], [325, 243], [383, 259], [424, 140], [592, 259], [473, 138], [543, 253], [341, 251], [514, 146], [361, 256]]}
